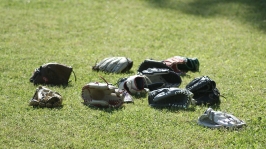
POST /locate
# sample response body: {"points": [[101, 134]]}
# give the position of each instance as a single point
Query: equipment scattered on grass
{"points": [[160, 79]]}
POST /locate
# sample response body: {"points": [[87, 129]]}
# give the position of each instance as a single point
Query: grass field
{"points": [[227, 36]]}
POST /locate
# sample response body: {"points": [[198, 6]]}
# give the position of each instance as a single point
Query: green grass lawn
{"points": [[227, 36]]}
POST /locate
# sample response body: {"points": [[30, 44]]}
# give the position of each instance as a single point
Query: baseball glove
{"points": [[52, 73], [205, 91], [149, 63], [114, 65], [218, 119], [103, 95], [135, 84], [182, 64], [44, 97], [177, 64], [165, 76], [170, 97]]}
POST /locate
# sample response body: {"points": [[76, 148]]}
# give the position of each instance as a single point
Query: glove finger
{"points": [[121, 65], [113, 64], [105, 64]]}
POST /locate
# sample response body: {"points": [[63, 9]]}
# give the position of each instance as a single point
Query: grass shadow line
{"points": [[246, 11], [174, 109]]}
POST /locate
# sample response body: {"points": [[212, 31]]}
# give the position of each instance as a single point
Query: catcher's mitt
{"points": [[114, 65], [182, 64], [167, 77], [170, 97], [103, 95], [44, 97], [52, 73], [204, 90], [133, 84]]}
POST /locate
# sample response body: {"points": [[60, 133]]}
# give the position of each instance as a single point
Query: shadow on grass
{"points": [[51, 85], [214, 107], [175, 109], [191, 108], [38, 107], [140, 95], [107, 73], [108, 110], [247, 11]]}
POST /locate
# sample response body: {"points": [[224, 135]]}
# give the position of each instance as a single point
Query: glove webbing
{"points": [[105, 81]]}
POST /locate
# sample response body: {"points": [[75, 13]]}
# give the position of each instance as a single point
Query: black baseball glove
{"points": [[205, 91], [170, 97]]}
